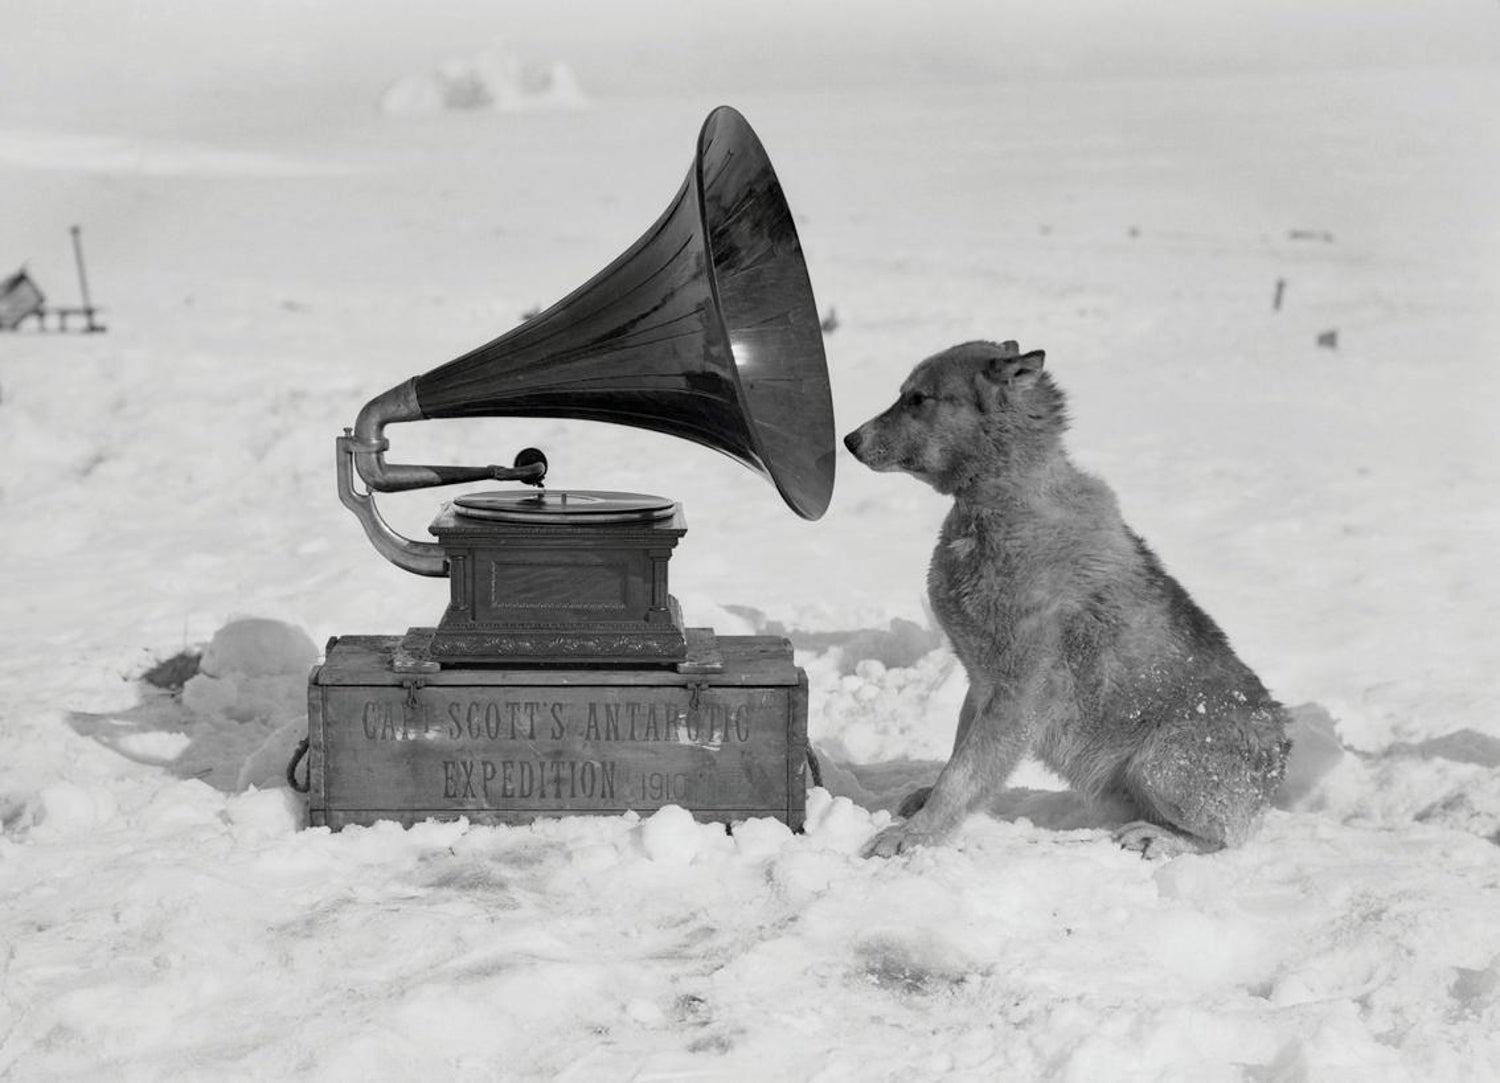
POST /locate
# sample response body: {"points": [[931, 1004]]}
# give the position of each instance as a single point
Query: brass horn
{"points": [[705, 329]]}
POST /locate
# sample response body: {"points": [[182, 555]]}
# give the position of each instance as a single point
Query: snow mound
{"points": [[249, 699], [495, 79], [65, 808], [258, 647], [670, 836], [254, 668]]}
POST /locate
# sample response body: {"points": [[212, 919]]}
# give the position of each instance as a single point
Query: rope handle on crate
{"points": [[291, 768]]}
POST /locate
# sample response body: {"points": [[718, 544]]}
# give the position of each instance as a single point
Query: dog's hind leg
{"points": [[1198, 786], [912, 803]]}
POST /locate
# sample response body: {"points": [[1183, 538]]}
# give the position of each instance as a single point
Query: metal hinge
{"points": [[695, 693], [413, 686]]}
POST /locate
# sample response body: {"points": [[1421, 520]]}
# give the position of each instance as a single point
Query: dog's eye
{"points": [[917, 398]]}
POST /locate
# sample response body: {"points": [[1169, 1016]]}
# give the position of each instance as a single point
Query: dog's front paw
{"points": [[898, 839]]}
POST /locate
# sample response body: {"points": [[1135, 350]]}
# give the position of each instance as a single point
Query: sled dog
{"points": [[1080, 649]]}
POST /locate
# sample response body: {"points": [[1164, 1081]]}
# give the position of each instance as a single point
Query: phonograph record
{"points": [[561, 679]]}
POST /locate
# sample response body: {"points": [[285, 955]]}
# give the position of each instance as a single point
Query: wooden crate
{"points": [[507, 745]]}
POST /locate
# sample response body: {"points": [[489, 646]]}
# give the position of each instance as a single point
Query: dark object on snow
{"points": [[174, 672], [830, 322], [1280, 293], [1329, 340], [21, 300]]}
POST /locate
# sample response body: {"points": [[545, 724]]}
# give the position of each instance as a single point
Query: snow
{"points": [[168, 486]]}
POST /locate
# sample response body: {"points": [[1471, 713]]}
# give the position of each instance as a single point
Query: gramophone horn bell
{"points": [[705, 328]]}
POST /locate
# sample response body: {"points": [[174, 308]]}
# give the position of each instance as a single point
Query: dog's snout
{"points": [[853, 440]]}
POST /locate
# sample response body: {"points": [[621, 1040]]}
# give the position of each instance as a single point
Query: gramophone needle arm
{"points": [[367, 444]]}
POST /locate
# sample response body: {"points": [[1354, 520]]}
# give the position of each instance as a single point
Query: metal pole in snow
{"points": [[83, 279]]}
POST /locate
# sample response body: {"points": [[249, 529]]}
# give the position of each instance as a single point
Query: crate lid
{"points": [[748, 661]]}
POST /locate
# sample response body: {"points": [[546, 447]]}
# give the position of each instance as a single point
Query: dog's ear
{"points": [[1012, 371]]}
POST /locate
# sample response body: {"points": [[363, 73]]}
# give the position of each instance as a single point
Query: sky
{"points": [[103, 63]]}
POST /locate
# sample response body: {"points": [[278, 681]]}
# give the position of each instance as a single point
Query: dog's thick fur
{"points": [[1079, 647]]}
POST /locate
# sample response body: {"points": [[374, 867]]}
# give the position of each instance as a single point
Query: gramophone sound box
{"points": [[561, 678]]}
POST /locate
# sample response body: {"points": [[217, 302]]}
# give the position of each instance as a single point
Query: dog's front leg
{"points": [[918, 797], [998, 735]]}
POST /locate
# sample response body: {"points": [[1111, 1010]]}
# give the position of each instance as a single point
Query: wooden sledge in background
{"points": [[22, 301]]}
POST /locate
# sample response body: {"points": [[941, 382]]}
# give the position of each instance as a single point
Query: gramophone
{"points": [[561, 677]]}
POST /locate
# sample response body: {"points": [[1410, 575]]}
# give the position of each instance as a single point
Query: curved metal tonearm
{"points": [[363, 448]]}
